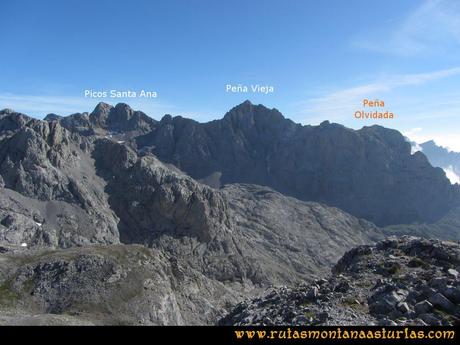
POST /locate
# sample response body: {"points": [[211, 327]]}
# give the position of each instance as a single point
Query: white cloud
{"points": [[340, 104], [433, 27], [448, 140], [415, 147], [41, 105], [451, 175]]}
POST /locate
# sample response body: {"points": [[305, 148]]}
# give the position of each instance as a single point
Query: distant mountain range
{"points": [[441, 157]]}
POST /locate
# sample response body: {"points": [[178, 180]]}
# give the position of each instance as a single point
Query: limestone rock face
{"points": [[50, 191], [150, 199], [275, 227], [369, 173], [107, 285], [285, 239]]}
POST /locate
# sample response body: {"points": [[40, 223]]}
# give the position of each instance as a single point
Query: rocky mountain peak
{"points": [[11, 120], [52, 117], [246, 107], [167, 118], [248, 113], [100, 113], [121, 113], [6, 111], [432, 149], [429, 143], [102, 108], [121, 119]]}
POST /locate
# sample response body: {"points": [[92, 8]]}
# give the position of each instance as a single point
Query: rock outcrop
{"points": [[106, 285], [397, 281], [50, 183]]}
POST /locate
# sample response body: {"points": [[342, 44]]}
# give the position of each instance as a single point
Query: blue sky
{"points": [[322, 57]]}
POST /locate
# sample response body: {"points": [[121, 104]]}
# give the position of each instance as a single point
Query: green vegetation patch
{"points": [[389, 268], [8, 296], [417, 262], [354, 303]]}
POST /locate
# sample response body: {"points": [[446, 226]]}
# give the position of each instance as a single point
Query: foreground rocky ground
{"points": [[107, 285], [397, 281]]}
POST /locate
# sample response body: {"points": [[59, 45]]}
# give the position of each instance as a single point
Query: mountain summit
{"points": [[370, 173]]}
